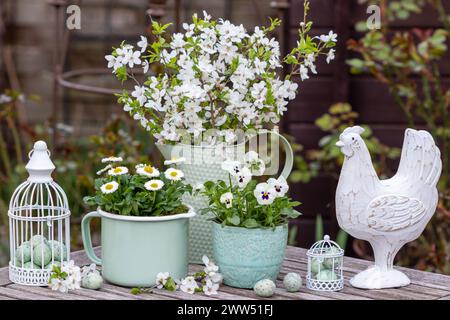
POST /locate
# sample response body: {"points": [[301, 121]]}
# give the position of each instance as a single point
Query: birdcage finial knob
{"points": [[326, 238], [40, 166]]}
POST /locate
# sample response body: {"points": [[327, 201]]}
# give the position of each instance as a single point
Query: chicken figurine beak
{"points": [[340, 144]]}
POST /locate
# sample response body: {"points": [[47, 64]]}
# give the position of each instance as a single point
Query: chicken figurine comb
{"points": [[386, 213]]}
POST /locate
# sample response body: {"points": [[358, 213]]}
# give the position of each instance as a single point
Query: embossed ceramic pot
{"points": [[136, 249], [203, 163], [245, 256]]}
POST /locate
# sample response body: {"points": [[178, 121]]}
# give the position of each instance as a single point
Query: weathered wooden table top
{"points": [[424, 286]]}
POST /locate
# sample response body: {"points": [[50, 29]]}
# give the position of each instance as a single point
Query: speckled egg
{"points": [[264, 288], [328, 262], [37, 239], [58, 249], [25, 250], [326, 275], [42, 254], [92, 281], [292, 282], [30, 265], [316, 265]]}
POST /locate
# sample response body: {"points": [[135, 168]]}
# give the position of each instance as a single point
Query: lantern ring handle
{"points": [[31, 153]]}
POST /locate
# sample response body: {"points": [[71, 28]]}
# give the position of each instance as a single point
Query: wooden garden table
{"points": [[424, 285]]}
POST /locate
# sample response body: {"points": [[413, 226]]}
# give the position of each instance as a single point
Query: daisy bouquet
{"points": [[215, 76], [145, 192], [243, 202]]}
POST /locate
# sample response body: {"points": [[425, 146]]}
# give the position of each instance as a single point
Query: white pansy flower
{"points": [[264, 193], [147, 170], [161, 279], [227, 199], [109, 187], [243, 177], [154, 185], [279, 185], [199, 187], [174, 174], [233, 167], [112, 159], [117, 171]]}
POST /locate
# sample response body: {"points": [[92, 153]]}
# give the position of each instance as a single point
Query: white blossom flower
{"points": [[117, 171], [161, 279], [279, 185], [210, 288], [188, 285], [330, 55], [331, 36], [139, 94], [303, 72], [109, 187], [147, 170], [112, 159], [264, 193], [143, 43], [227, 199], [154, 185], [174, 174], [71, 280]]}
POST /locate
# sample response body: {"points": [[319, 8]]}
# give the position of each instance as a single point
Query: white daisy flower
{"points": [[227, 199], [99, 172], [109, 187], [117, 171], [112, 159], [279, 185], [174, 160], [147, 170], [174, 174], [154, 185], [264, 193]]}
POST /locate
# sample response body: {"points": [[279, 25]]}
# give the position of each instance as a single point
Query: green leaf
{"points": [[251, 223], [234, 220]]}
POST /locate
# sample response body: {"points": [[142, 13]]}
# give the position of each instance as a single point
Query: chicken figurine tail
{"points": [[386, 213]]}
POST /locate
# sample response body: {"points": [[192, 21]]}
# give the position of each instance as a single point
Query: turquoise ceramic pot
{"points": [[245, 256], [136, 249]]}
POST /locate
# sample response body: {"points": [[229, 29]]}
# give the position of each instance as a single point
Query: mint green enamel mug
{"points": [[136, 249]]}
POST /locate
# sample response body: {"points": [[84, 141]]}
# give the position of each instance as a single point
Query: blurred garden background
{"points": [[54, 86]]}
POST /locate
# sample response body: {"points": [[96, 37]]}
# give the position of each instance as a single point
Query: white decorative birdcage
{"points": [[325, 261], [39, 222]]}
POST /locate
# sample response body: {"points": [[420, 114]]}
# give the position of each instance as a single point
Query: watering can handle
{"points": [[289, 161]]}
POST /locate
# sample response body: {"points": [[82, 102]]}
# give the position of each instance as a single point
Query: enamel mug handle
{"points": [[289, 161], [86, 235]]}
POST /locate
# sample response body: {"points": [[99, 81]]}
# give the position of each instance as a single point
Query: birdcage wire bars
{"points": [[325, 266], [39, 229]]}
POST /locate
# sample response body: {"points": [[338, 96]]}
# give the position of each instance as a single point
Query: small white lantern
{"points": [[39, 222], [325, 261]]}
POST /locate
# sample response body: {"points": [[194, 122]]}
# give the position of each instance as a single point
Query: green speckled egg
{"points": [[292, 282], [30, 265], [326, 275], [264, 288], [92, 281], [37, 239], [316, 266], [50, 264], [25, 249], [42, 254], [58, 249], [328, 262]]}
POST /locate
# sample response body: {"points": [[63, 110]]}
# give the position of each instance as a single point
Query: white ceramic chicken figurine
{"points": [[386, 213]]}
